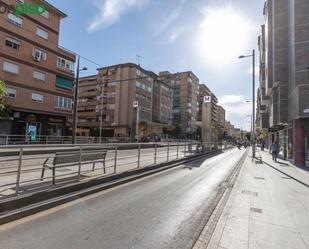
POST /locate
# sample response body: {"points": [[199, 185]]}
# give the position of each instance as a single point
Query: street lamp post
{"points": [[253, 98], [76, 88], [251, 122]]}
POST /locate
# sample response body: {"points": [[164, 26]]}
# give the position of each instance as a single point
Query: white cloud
{"points": [[165, 23], [231, 99], [237, 109], [111, 11]]}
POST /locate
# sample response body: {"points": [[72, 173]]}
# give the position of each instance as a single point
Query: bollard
{"points": [[115, 162], [139, 156], [19, 170], [80, 162], [155, 157]]}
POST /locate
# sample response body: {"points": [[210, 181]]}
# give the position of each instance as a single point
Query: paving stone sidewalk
{"points": [[266, 209], [302, 174]]}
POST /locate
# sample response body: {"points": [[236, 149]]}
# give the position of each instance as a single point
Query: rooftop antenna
{"points": [[138, 58]]}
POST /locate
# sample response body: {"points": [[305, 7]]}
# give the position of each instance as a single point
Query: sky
{"points": [[203, 36]]}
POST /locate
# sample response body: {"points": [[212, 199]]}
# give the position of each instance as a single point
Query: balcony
{"points": [[67, 53]]}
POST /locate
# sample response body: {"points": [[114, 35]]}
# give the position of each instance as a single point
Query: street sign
{"points": [[135, 104], [207, 99]]}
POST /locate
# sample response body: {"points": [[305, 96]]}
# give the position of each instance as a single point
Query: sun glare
{"points": [[222, 36]]}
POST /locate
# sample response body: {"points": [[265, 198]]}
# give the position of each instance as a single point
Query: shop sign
{"points": [[31, 118], [55, 120], [32, 132], [135, 104], [207, 99]]}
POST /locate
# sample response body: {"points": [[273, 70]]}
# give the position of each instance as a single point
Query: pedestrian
{"points": [[263, 145], [274, 150]]}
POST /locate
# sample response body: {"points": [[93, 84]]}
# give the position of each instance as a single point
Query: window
{"points": [[41, 33], [38, 75], [14, 19], [39, 54], [113, 83], [37, 97], [10, 67], [12, 43], [110, 106], [11, 92], [62, 102], [45, 13], [65, 64]]}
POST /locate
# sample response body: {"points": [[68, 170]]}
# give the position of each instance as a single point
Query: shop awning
{"points": [[64, 83]]}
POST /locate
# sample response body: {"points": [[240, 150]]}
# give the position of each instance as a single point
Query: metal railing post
{"points": [[177, 150], [168, 151], [7, 140], [19, 170], [139, 156], [185, 150], [115, 162], [155, 155], [46, 139], [80, 161]]}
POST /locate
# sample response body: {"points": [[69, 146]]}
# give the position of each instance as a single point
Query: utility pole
{"points": [[76, 89], [102, 103], [76, 86]]}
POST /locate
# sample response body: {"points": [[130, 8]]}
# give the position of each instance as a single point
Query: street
{"points": [[165, 210]]}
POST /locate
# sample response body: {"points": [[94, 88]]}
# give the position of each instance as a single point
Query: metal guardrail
{"points": [[8, 140], [22, 173]]}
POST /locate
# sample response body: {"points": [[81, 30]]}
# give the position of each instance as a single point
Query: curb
{"points": [[17, 208], [282, 172]]}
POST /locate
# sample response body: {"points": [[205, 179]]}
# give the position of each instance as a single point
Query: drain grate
{"points": [[256, 210], [259, 178], [248, 192]]}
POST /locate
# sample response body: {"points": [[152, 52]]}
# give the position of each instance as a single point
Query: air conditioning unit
{"points": [[36, 57]]}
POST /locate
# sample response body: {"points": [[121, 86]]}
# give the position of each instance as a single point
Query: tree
{"points": [[3, 105], [248, 136]]}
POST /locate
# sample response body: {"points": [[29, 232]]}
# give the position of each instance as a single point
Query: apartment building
{"points": [[283, 96], [221, 116], [205, 91], [107, 100], [185, 99], [38, 74]]}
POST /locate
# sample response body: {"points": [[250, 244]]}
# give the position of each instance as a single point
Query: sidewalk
{"points": [[301, 174], [266, 209]]}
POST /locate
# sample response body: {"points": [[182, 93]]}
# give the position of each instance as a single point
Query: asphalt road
{"points": [[161, 211]]}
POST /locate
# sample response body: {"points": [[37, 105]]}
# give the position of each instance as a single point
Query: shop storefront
{"points": [[35, 125], [281, 135]]}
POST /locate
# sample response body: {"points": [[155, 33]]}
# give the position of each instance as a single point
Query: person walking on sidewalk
{"points": [[274, 151]]}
